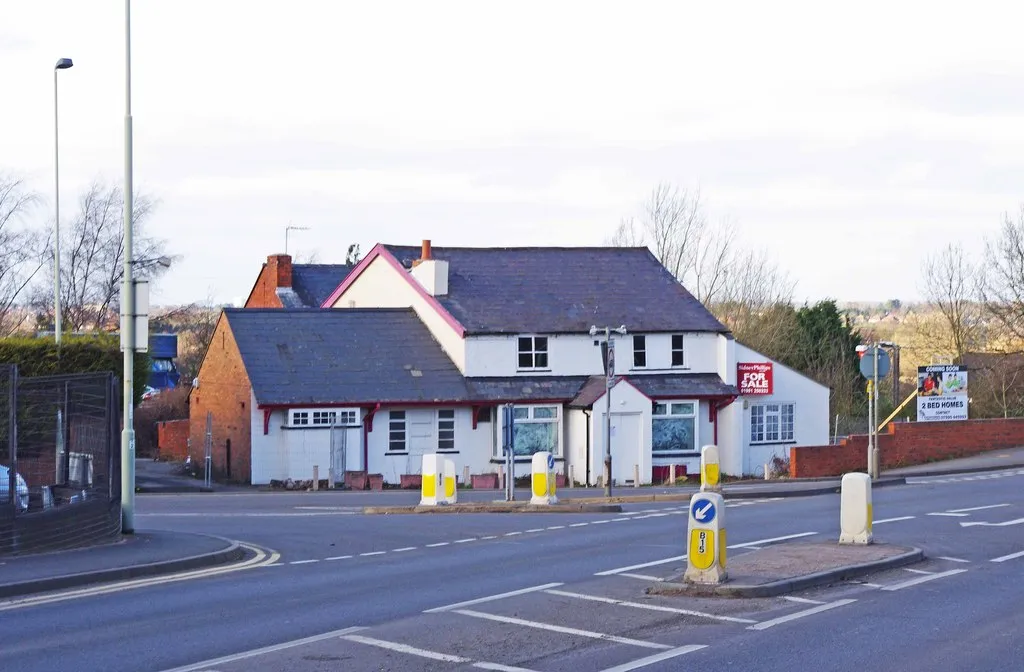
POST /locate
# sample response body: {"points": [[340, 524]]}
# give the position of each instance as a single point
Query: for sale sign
{"points": [[754, 377]]}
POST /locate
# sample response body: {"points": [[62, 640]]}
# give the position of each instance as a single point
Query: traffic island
{"points": [[786, 568], [564, 506]]}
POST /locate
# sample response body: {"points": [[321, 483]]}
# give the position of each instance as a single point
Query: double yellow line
{"points": [[261, 558]]}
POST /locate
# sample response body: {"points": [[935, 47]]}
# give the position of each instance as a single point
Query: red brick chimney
{"points": [[424, 254], [280, 267]]}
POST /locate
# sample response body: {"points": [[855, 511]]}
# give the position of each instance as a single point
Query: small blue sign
{"points": [[551, 462], [703, 510]]}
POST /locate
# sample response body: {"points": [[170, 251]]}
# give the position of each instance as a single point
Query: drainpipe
{"points": [[587, 481]]}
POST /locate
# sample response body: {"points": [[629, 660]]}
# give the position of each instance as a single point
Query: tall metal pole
{"points": [[56, 216], [608, 413], [874, 419], [128, 301]]}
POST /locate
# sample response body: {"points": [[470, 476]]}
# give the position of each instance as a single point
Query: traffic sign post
{"points": [[855, 509], [709, 469], [874, 364], [705, 557], [542, 480]]}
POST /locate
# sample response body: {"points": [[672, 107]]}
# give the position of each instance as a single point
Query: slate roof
{"points": [[315, 356], [678, 385], [539, 388], [313, 283], [563, 290]]}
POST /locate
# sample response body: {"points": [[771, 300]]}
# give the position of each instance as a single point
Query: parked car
{"points": [[21, 488]]}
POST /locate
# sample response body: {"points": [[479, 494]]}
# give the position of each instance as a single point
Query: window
{"points": [[323, 417], [396, 431], [674, 427], [677, 350], [446, 430], [639, 352], [535, 430], [771, 423], [533, 352]]}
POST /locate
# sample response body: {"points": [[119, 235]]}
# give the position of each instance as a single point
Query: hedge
{"points": [[40, 356]]}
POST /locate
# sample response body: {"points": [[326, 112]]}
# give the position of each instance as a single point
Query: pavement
{"points": [[153, 551]]}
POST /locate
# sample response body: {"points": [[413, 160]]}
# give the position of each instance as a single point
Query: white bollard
{"points": [[432, 486], [855, 514], [451, 489], [705, 557], [709, 470], [542, 479], [672, 474]]}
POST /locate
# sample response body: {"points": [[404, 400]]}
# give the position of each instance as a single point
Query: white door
{"points": [[627, 447]]}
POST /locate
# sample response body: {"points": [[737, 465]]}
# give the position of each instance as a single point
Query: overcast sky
{"points": [[848, 142]]}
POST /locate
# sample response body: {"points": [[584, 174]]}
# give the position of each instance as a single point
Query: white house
{"points": [[423, 346]]}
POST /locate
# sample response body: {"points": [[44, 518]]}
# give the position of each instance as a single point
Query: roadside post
{"points": [[431, 483], [542, 478], [709, 469], [875, 364], [705, 557], [855, 510], [508, 447], [451, 490]]}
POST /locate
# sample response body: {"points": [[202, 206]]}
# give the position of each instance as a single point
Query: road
{"points": [[336, 589]]}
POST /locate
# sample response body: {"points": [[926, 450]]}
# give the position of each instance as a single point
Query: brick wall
{"points": [[906, 444], [224, 390], [172, 439], [277, 272]]}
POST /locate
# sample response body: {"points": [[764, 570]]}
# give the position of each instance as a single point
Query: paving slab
{"points": [[786, 568]]}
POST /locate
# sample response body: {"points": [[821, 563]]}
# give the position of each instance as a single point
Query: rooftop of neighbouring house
{"points": [[313, 283], [514, 290]]}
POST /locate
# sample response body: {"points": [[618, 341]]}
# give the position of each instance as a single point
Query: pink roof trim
{"points": [[380, 251]]}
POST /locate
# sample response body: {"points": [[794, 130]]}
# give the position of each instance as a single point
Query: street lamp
{"points": [[128, 301], [608, 378], [291, 228], [62, 64]]}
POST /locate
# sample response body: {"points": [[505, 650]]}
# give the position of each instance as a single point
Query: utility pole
{"points": [[128, 302], [609, 381]]}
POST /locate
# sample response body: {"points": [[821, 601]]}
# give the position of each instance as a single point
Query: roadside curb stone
{"points": [[571, 506]]}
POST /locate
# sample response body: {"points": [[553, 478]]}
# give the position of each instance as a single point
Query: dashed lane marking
{"points": [[892, 520], [302, 562], [978, 508]]}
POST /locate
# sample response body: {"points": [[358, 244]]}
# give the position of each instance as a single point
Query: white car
{"points": [[21, 488]]}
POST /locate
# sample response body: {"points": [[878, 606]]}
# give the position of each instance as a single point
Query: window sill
{"points": [[773, 443]]}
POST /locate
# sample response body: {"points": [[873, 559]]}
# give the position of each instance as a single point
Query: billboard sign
{"points": [[941, 392], [754, 378]]}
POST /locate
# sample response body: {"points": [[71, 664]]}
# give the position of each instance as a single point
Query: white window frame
{"points": [[318, 418], [673, 350], [398, 425], [639, 351], [533, 351], [530, 418], [669, 404], [764, 410], [439, 428]]}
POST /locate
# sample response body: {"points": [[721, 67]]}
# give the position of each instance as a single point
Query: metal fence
{"points": [[59, 444]]}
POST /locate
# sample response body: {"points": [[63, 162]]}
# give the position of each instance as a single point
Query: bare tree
{"points": [[92, 260], [951, 286], [22, 250], [194, 325], [1002, 284]]}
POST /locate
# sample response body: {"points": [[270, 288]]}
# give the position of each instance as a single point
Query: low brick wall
{"points": [[172, 439], [906, 444]]}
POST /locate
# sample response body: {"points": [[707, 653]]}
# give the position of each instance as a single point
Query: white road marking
{"points": [[948, 513], [801, 600], [500, 668], [922, 579], [620, 570], [561, 629], [488, 537], [768, 541], [536, 529], [492, 598], [366, 555], [642, 577], [580, 524], [557, 527], [872, 585], [339, 557], [917, 571], [206, 664], [1011, 556], [403, 550], [764, 625], [512, 534], [892, 520], [1016, 521], [656, 658], [465, 541], [405, 648], [438, 544], [979, 508], [650, 607], [302, 562], [600, 522], [946, 557]]}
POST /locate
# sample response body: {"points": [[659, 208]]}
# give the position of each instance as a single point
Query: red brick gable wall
{"points": [[906, 444], [225, 391], [264, 292], [172, 439]]}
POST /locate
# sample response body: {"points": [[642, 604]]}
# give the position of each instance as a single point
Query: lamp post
{"points": [[609, 376], [62, 64], [291, 228], [128, 302]]}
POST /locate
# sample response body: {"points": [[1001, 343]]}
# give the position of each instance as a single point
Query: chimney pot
{"points": [[425, 254]]}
